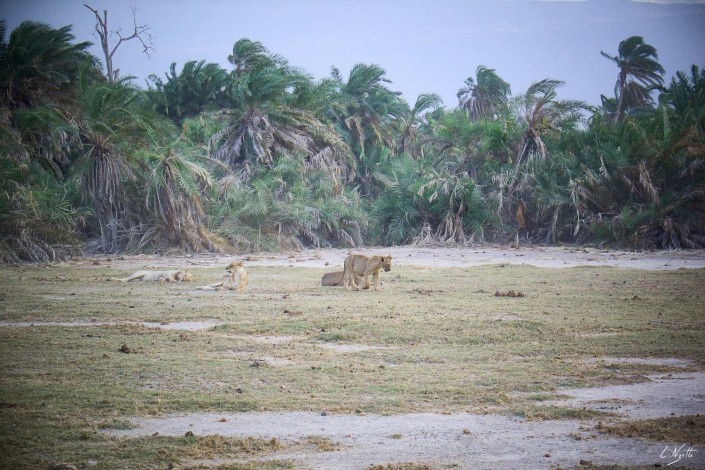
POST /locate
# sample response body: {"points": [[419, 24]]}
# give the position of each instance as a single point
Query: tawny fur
{"points": [[176, 275], [237, 279], [361, 265], [336, 279]]}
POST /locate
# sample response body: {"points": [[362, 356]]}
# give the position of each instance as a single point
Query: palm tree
{"points": [[409, 129], [542, 120], [666, 177], [38, 133], [39, 65], [397, 213], [458, 144], [686, 95], [542, 115], [455, 207], [484, 97], [246, 55], [174, 190], [287, 205], [639, 73], [315, 96], [257, 98], [364, 109], [37, 214], [199, 86], [114, 121], [261, 123]]}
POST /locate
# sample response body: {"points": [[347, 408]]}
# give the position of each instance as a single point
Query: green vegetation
{"points": [[428, 341], [263, 157]]}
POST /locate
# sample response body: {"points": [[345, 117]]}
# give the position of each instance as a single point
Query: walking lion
{"points": [[363, 266]]}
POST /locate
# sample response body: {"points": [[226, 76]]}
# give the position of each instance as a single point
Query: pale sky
{"points": [[427, 46]]}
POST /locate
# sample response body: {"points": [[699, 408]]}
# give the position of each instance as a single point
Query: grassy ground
{"points": [[430, 340], [690, 429]]}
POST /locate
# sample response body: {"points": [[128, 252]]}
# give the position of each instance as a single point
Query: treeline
{"points": [[261, 156]]}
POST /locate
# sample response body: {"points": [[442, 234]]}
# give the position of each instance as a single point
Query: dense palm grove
{"points": [[260, 156]]}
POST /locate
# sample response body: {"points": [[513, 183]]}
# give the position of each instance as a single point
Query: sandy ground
{"points": [[545, 257], [460, 439]]}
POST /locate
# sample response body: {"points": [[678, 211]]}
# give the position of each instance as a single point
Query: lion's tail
{"points": [[215, 286]]}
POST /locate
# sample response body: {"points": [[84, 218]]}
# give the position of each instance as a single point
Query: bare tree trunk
{"points": [[101, 29], [619, 113]]}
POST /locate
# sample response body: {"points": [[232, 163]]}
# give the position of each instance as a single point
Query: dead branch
{"points": [[140, 32]]}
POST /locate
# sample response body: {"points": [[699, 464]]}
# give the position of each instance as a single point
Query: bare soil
{"points": [[466, 440], [545, 257]]}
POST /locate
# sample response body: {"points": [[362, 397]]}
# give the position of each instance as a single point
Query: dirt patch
{"points": [[467, 440], [661, 396]]}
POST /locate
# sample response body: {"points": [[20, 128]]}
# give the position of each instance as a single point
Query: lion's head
{"points": [[387, 262], [185, 276], [234, 266]]}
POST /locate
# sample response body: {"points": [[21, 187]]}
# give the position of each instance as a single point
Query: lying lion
{"points": [[238, 279], [336, 279], [176, 275], [361, 265]]}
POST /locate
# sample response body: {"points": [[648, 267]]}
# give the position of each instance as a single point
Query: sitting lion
{"points": [[176, 275], [361, 265], [336, 279], [237, 279]]}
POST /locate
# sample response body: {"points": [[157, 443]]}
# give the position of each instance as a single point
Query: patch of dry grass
{"points": [[540, 413], [323, 443], [429, 340], [676, 429], [409, 466]]}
